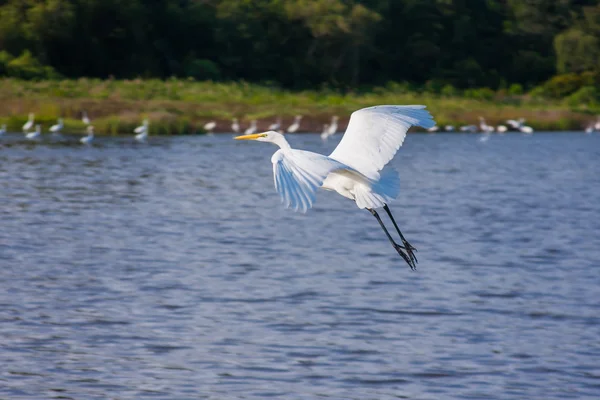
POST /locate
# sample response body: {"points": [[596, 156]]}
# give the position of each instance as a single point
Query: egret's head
{"points": [[270, 136]]}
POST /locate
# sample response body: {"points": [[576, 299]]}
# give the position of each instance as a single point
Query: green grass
{"points": [[179, 106]]}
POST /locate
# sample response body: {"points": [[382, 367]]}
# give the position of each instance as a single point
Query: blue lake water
{"points": [[170, 270]]}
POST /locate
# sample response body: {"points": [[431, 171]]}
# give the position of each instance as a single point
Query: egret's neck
{"points": [[280, 141]]}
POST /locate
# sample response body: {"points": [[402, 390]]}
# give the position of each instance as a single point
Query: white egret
{"points": [[209, 126], [484, 126], [513, 123], [142, 131], [325, 132], [84, 118], [597, 125], [357, 167], [433, 129], [501, 128], [235, 126], [251, 129], [333, 126], [276, 125], [57, 128], [90, 135], [3, 129], [449, 128], [526, 129], [29, 124], [294, 127], [35, 135]]}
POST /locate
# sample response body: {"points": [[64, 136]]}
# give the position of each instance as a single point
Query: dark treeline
{"points": [[303, 43]]}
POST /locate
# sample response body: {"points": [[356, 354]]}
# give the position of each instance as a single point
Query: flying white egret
{"points": [[294, 127], [3, 129], [235, 126], [29, 124], [35, 135], [355, 169], [251, 129], [57, 128], [84, 118], [209, 126], [90, 135], [276, 125], [142, 131]]}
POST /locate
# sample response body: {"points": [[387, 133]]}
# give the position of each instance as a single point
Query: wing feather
{"points": [[298, 174], [375, 134]]}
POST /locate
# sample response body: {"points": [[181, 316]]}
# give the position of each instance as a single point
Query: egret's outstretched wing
{"points": [[298, 174], [375, 134]]}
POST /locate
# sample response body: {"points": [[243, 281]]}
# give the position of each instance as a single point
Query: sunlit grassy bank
{"points": [[183, 106]]}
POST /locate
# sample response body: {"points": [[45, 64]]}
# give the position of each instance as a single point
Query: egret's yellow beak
{"points": [[250, 137]]}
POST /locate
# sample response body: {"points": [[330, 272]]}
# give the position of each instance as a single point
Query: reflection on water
{"points": [[170, 270]]}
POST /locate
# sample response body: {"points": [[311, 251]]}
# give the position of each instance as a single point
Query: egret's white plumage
{"points": [[333, 126], [484, 127], [235, 126], [29, 124], [355, 169], [433, 129], [90, 135], [84, 118], [35, 135], [251, 129], [57, 128], [296, 125], [325, 132], [501, 128], [3, 129], [142, 131]]}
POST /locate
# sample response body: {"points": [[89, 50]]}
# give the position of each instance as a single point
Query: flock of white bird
{"points": [[513, 125], [33, 131]]}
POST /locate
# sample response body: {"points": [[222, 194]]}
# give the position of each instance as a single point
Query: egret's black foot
{"points": [[410, 250], [406, 257]]}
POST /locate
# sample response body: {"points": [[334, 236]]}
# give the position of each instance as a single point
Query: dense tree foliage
{"points": [[304, 43]]}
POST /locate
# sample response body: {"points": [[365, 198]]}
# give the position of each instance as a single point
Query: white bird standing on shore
{"points": [[142, 131], [333, 126], [325, 132], [35, 135], [209, 126], [90, 135], [3, 129], [296, 125], [84, 118], [57, 128], [276, 125], [251, 129], [357, 167], [235, 126], [29, 124]]}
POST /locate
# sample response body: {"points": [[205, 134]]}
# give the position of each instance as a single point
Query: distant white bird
{"points": [[333, 126], [3, 129], [35, 135], [209, 126], [142, 131], [433, 129], [449, 128], [251, 129], [357, 167], [484, 126], [325, 132], [294, 127], [501, 128], [57, 128], [29, 124], [589, 129], [90, 135], [84, 118], [469, 128], [276, 125], [514, 124], [597, 125], [526, 129], [235, 126]]}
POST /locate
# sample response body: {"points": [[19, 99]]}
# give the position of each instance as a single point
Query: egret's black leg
{"points": [[409, 248], [398, 248]]}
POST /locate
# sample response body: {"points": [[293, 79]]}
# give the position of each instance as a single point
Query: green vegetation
{"points": [[183, 106], [181, 62]]}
